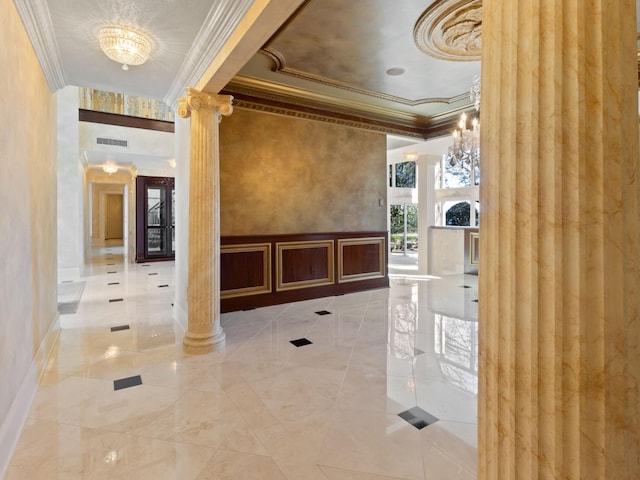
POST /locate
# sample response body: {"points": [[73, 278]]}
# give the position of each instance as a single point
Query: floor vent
{"points": [[112, 141]]}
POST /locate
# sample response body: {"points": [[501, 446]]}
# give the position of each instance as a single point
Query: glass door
{"points": [[156, 219]]}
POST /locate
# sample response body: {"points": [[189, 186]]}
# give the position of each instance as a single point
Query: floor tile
{"points": [[259, 408]]}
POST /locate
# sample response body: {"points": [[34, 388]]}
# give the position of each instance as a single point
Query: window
{"points": [[404, 227], [406, 175], [458, 213]]}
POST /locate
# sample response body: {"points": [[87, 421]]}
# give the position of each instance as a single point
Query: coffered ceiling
{"points": [[357, 62]]}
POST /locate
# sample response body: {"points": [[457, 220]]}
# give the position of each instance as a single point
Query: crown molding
{"points": [[37, 22], [255, 94], [280, 66], [222, 20], [309, 98], [292, 110]]}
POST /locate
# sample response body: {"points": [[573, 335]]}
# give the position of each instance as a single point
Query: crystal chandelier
{"points": [[465, 151], [125, 45], [110, 168]]}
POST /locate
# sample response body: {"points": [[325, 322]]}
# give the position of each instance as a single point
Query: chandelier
{"points": [[465, 151], [110, 168], [125, 45]]}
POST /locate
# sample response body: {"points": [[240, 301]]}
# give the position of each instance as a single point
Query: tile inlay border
{"points": [[417, 417], [119, 328], [127, 382], [301, 342]]}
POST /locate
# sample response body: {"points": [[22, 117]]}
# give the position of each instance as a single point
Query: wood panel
{"points": [[125, 120], [361, 258], [300, 266], [304, 264], [247, 270]]}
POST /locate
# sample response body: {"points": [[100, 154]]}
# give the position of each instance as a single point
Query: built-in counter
{"points": [[453, 250]]}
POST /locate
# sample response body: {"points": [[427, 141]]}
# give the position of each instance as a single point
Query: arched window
{"points": [[459, 215]]}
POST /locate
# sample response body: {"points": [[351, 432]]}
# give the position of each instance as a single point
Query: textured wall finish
{"points": [[285, 175], [27, 224], [560, 242]]}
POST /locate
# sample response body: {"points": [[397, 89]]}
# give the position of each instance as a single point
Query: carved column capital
{"points": [[196, 100]]}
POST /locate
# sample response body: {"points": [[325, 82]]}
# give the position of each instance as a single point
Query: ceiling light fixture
{"points": [[110, 168], [465, 151], [410, 156], [125, 45]]}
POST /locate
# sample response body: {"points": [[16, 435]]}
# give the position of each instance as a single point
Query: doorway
{"points": [[155, 219]]}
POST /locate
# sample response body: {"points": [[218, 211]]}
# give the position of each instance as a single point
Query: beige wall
{"points": [[289, 175], [27, 221]]}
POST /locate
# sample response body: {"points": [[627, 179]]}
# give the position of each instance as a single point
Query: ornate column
{"points": [[559, 254], [204, 332]]}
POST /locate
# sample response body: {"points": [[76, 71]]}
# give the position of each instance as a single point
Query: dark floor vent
{"points": [[112, 141]]}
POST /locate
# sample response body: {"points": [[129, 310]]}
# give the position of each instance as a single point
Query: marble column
{"points": [[204, 333], [559, 250]]}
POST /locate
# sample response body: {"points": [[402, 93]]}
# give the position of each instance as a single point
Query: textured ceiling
{"points": [[334, 58]]}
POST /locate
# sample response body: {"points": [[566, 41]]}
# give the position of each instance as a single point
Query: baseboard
{"points": [[11, 427]]}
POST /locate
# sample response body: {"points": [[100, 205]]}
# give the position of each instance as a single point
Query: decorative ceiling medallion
{"points": [[451, 30]]}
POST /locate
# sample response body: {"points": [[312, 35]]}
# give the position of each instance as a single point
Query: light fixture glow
{"points": [[410, 156], [110, 168], [125, 45]]}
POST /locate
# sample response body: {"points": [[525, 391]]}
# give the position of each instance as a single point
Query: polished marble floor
{"points": [[261, 408]]}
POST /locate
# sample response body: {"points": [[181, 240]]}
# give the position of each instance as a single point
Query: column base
{"points": [[197, 344]]}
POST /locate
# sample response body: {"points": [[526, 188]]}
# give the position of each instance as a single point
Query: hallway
{"points": [[261, 408]]}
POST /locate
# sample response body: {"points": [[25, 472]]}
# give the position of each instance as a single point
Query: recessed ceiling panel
{"points": [[368, 45]]}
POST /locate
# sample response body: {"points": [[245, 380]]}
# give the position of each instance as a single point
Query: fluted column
{"points": [[204, 332], [559, 251]]}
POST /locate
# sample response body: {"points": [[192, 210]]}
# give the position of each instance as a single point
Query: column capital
{"points": [[196, 100]]}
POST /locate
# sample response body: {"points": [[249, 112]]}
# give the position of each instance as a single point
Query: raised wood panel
{"points": [[304, 264], [245, 270], [361, 258]]}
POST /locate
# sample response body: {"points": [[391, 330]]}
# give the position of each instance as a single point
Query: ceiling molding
{"points": [[293, 110], [278, 92], [257, 94], [280, 66], [222, 20], [432, 127], [37, 22]]}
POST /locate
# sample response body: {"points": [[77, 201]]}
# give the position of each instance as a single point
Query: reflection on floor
{"points": [[120, 399]]}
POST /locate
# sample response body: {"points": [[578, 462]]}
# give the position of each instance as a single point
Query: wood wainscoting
{"points": [[256, 271]]}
